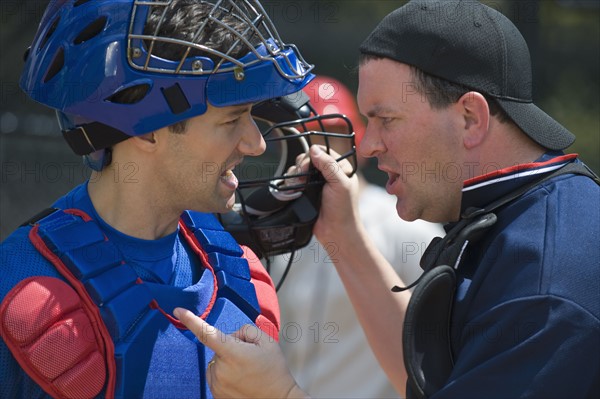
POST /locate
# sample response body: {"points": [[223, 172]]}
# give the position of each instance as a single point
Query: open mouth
{"points": [[229, 178], [392, 179]]}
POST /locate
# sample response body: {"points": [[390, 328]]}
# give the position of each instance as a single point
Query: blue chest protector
{"points": [[127, 315]]}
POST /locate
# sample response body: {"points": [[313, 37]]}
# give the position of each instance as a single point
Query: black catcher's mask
{"points": [[277, 207]]}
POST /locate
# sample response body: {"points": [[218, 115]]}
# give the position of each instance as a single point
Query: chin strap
{"points": [[92, 137]]}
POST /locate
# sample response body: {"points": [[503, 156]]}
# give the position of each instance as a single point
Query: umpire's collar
{"points": [[482, 190]]}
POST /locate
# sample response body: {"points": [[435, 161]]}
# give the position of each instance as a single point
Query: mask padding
{"points": [[56, 65], [90, 31]]}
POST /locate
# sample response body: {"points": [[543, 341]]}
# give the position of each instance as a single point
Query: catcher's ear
{"points": [[146, 142]]}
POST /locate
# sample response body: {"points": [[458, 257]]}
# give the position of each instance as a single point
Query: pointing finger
{"points": [[209, 336]]}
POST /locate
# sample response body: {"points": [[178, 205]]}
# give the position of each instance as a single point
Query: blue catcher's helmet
{"points": [[89, 56]]}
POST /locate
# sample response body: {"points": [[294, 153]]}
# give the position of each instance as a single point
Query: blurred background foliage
{"points": [[563, 36]]}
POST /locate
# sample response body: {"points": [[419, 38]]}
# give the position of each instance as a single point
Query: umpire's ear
{"points": [[476, 114]]}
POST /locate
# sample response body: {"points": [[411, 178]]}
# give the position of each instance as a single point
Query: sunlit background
{"points": [[563, 35]]}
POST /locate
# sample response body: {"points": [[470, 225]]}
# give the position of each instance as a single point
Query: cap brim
{"points": [[538, 125]]}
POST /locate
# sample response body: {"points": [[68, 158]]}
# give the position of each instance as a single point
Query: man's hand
{"points": [[247, 364], [339, 210]]}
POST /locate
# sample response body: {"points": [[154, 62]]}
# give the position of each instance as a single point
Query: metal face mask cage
{"points": [[277, 206], [250, 13]]}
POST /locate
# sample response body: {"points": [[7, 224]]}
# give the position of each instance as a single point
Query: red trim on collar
{"points": [[80, 213], [197, 248], [518, 168], [199, 251]]}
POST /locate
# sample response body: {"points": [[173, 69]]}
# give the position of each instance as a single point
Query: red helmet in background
{"points": [[330, 96]]}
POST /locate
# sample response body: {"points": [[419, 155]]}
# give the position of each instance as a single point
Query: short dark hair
{"points": [[441, 93], [181, 21]]}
